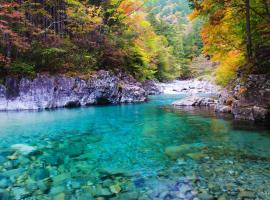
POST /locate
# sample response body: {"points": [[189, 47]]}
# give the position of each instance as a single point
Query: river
{"points": [[136, 151]]}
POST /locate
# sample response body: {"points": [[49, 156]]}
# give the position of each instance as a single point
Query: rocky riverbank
{"points": [[245, 99], [47, 92]]}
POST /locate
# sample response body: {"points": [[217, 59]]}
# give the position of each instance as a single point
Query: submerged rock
{"points": [[113, 172], [47, 92], [40, 174], [196, 156], [205, 196], [247, 194], [4, 182], [115, 188], [24, 148], [175, 152], [4, 195]]}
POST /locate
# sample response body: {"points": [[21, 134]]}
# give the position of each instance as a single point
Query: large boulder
{"points": [[46, 92], [151, 87], [195, 101]]}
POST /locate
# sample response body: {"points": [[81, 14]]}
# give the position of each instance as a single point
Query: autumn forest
{"points": [[149, 39]]}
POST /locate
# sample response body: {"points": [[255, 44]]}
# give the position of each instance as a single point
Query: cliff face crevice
{"points": [[48, 92]]}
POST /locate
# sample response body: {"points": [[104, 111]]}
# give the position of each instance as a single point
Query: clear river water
{"points": [[141, 151]]}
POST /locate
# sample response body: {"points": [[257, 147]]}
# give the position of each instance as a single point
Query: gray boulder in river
{"points": [[195, 101], [46, 92]]}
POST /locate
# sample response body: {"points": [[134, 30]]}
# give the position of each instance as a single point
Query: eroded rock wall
{"points": [[47, 92]]}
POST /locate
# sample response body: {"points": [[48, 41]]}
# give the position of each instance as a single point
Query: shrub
{"points": [[20, 67]]}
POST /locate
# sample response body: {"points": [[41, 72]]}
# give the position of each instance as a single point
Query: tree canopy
{"points": [[146, 38], [236, 33]]}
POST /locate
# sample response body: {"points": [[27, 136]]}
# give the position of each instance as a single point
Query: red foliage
{"points": [[10, 17]]}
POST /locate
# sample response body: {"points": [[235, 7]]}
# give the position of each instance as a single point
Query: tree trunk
{"points": [[248, 30]]}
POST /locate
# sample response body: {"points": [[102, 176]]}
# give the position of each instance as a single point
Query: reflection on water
{"points": [[143, 151]]}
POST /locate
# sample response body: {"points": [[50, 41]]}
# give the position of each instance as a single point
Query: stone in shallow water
{"points": [[75, 184], [205, 196], [99, 191], [12, 164], [134, 195], [40, 174], [73, 150], [31, 186], [52, 160], [57, 190], [84, 195], [14, 172], [196, 156], [44, 185], [4, 182], [19, 193], [24, 148], [114, 172], [12, 157], [175, 152], [2, 159], [185, 188], [4, 195], [60, 196], [61, 178], [246, 194], [115, 188], [223, 197], [140, 182]]}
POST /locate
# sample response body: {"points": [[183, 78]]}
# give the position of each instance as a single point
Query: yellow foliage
{"points": [[223, 41], [83, 12], [229, 64], [195, 13]]}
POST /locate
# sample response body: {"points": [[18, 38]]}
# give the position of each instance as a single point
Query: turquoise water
{"points": [[142, 151]]}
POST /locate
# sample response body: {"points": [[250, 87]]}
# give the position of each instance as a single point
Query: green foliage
{"points": [[49, 58], [169, 18], [20, 67], [138, 63]]}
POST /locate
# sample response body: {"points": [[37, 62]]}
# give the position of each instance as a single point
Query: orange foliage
{"points": [[242, 90], [129, 7]]}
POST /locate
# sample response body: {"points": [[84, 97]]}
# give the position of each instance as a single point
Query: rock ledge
{"points": [[48, 92]]}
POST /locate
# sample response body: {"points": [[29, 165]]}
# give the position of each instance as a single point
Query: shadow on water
{"points": [[207, 112]]}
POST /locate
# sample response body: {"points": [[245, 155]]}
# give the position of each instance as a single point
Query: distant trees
{"points": [[169, 19]]}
